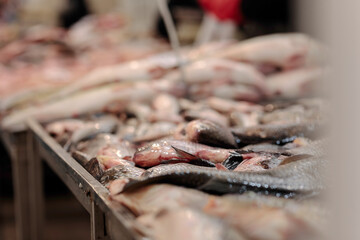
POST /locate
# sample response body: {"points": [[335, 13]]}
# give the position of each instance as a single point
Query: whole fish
{"points": [[300, 177], [105, 124], [125, 72], [295, 83], [87, 102], [293, 218], [190, 224], [279, 134], [285, 51], [209, 133], [169, 150], [206, 71]]}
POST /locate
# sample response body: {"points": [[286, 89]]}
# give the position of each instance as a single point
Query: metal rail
{"points": [[108, 219]]}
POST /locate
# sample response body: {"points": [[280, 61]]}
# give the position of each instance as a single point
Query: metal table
{"points": [[108, 219], [27, 149]]}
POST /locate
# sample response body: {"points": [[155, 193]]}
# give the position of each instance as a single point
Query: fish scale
{"points": [[300, 177]]}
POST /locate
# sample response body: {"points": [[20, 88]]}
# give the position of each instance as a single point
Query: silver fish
{"points": [[171, 150], [209, 133], [105, 124], [190, 224], [279, 134], [300, 177]]}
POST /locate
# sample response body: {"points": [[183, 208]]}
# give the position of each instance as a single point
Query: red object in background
{"points": [[224, 9]]}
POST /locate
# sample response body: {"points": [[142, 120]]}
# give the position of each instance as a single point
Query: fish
{"points": [[240, 119], [293, 114], [266, 217], [188, 224], [124, 72], [316, 148], [208, 70], [81, 157], [266, 147], [166, 103], [259, 162], [238, 92], [146, 200], [167, 151], [60, 127], [279, 134], [206, 114], [139, 110], [295, 83], [231, 163], [209, 133], [119, 172], [228, 106], [95, 100], [92, 146], [166, 108], [292, 217], [105, 124], [270, 52], [303, 177], [94, 168], [153, 131]]}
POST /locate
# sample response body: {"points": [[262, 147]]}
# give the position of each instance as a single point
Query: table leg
{"points": [[97, 221], [20, 185], [36, 193]]}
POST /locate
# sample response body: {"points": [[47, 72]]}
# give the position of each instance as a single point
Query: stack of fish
{"points": [[43, 59], [209, 155], [232, 149]]}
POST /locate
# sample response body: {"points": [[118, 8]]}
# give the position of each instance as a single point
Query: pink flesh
{"points": [[252, 162], [163, 151], [111, 156]]}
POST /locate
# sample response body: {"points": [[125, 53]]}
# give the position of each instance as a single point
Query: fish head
{"points": [[149, 155]]}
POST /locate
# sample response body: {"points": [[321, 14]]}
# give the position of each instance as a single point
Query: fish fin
{"points": [[67, 145], [233, 161], [221, 167], [294, 158], [184, 154]]}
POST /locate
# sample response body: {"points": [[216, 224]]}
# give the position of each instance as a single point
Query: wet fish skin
{"points": [[300, 177], [190, 224], [94, 168], [164, 151], [210, 133], [207, 114], [292, 218], [259, 161], [104, 125], [261, 220], [81, 157], [91, 147], [121, 171], [279, 134]]}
